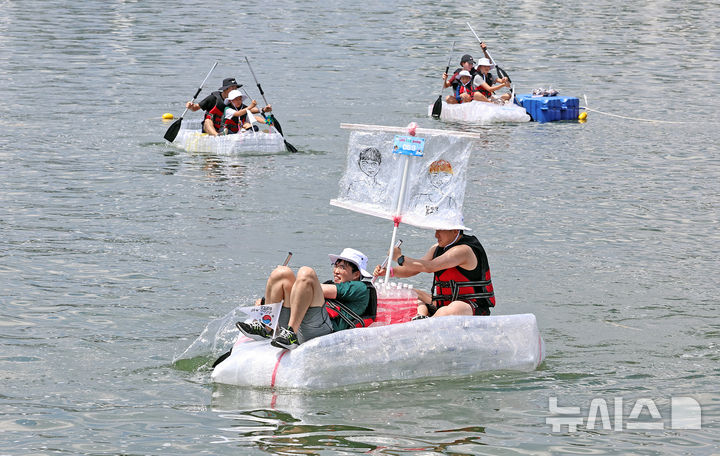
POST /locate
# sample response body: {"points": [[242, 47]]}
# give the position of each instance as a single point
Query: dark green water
{"points": [[117, 251]]}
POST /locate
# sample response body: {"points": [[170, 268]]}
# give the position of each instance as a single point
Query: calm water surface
{"points": [[117, 250]]}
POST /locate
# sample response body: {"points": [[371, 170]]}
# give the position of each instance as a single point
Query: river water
{"points": [[118, 250]]}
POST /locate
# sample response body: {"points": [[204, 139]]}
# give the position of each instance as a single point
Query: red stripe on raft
{"points": [[277, 364]]}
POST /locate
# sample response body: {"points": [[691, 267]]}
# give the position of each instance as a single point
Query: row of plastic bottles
{"points": [[396, 303]]}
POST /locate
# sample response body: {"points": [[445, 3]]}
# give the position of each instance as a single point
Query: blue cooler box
{"points": [[549, 109]]}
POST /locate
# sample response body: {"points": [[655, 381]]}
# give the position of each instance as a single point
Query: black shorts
{"points": [[478, 309]]}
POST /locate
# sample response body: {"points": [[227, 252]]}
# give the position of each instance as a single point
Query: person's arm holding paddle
{"points": [[483, 46], [460, 255], [173, 130], [447, 81], [502, 83], [246, 110]]}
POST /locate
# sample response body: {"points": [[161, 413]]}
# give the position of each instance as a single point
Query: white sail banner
{"points": [[435, 188]]}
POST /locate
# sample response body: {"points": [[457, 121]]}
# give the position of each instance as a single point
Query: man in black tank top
{"points": [[462, 283], [214, 105]]}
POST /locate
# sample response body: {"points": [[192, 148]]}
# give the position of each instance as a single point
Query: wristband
{"points": [[392, 272]]}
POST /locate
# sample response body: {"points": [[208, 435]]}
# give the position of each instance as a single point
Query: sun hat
{"points": [[485, 62], [464, 73], [234, 94], [229, 82], [467, 58], [438, 220], [355, 257]]}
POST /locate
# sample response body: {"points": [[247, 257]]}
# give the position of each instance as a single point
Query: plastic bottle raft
{"points": [[191, 138], [481, 112], [392, 348]]}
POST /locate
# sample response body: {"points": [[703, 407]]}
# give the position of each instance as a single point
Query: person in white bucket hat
{"points": [[485, 84], [239, 114], [461, 274], [311, 309]]}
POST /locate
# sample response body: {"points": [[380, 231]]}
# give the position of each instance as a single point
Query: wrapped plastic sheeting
{"points": [[431, 348], [191, 139], [435, 182], [482, 112]]}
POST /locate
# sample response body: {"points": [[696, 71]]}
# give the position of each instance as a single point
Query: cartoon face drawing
{"points": [[369, 161], [440, 173], [440, 179]]}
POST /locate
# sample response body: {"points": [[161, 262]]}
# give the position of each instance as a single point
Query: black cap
{"points": [[467, 58], [229, 82]]}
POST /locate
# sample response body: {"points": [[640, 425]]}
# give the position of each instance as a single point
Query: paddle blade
{"points": [[222, 358], [172, 132], [290, 147], [437, 107], [276, 124]]}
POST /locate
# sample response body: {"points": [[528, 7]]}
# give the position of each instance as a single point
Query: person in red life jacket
{"points": [[464, 90], [237, 115], [214, 106], [461, 276], [312, 309], [466, 63], [485, 84]]}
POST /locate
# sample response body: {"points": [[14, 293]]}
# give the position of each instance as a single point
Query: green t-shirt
{"points": [[355, 296]]}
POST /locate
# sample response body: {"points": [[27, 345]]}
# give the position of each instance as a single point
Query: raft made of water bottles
{"points": [[191, 138], [481, 112], [392, 349]]}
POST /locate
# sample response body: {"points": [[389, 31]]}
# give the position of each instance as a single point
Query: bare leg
{"points": [[465, 98], [306, 292], [423, 300], [477, 96], [209, 127], [279, 284], [450, 99], [454, 308]]}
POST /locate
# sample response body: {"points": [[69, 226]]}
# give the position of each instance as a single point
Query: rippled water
{"points": [[117, 250]]}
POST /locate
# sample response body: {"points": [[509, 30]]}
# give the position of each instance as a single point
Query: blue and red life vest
{"points": [[460, 89]]}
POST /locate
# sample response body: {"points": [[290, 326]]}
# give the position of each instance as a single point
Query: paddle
{"points": [[437, 107], [172, 132], [502, 73], [226, 354], [272, 120]]}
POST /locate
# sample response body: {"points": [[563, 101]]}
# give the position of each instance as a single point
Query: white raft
{"points": [[431, 348], [191, 138], [482, 112]]}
